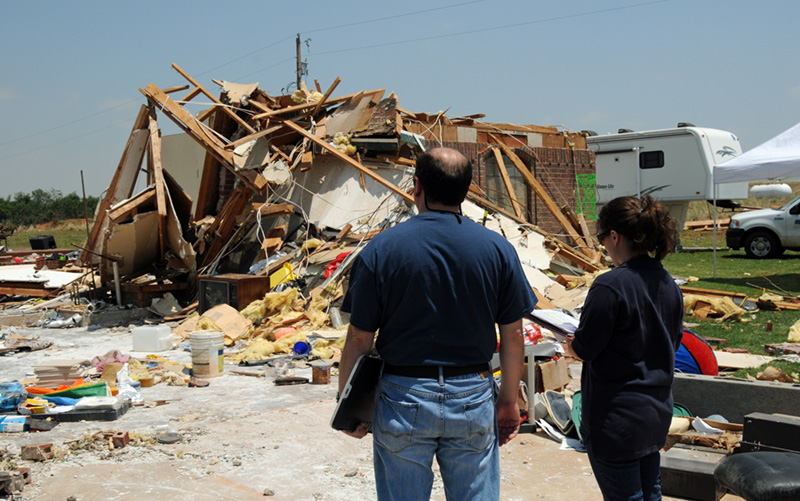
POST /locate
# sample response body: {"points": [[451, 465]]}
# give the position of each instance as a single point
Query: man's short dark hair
{"points": [[445, 175]]}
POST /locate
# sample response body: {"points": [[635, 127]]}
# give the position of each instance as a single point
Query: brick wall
{"points": [[555, 169]]}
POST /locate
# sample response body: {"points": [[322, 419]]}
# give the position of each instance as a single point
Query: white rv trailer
{"points": [[672, 165]]}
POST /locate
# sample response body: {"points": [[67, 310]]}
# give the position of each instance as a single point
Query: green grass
{"points": [[65, 234], [737, 273], [788, 367]]}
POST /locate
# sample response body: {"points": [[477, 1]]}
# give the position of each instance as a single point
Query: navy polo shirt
{"points": [[434, 287]]}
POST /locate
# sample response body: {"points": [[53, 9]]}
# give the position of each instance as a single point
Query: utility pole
{"points": [[299, 63]]}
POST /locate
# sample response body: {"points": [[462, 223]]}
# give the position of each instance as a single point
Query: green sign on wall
{"points": [[587, 196]]}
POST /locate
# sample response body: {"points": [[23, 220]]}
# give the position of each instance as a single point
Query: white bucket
{"points": [[207, 353]]}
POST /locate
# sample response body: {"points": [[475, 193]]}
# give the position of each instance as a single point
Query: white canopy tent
{"points": [[775, 160]]}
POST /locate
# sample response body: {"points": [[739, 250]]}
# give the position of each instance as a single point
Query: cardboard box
{"points": [[12, 424], [550, 375]]}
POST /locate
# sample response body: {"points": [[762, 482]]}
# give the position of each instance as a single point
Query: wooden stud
{"points": [[273, 210], [158, 180], [191, 95], [483, 202], [344, 231], [208, 193], [571, 255], [326, 95], [132, 205], [507, 182], [304, 106], [170, 90], [251, 137], [187, 122], [216, 101], [341, 156], [281, 154], [590, 239], [542, 194]]}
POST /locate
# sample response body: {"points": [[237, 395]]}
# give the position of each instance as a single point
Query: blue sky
{"points": [[72, 69]]}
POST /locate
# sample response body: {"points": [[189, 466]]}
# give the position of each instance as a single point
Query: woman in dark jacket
{"points": [[630, 327]]}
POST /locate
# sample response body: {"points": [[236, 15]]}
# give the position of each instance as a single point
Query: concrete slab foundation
{"points": [[734, 398]]}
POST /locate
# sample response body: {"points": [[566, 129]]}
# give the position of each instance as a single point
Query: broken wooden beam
{"points": [[178, 88], [217, 103], [486, 204], [307, 106], [341, 156], [158, 180], [543, 195], [196, 131], [498, 156], [326, 95], [273, 210], [571, 255], [132, 205], [253, 137]]}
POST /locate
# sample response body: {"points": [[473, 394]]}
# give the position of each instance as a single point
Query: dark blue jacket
{"points": [[630, 327]]}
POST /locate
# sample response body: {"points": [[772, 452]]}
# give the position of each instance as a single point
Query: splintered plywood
{"points": [[135, 243], [253, 154], [383, 120], [727, 360], [352, 116]]}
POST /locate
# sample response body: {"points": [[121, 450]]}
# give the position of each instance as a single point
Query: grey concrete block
{"points": [[733, 398]]}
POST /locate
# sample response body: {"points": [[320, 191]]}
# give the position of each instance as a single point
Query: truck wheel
{"points": [[762, 245]]}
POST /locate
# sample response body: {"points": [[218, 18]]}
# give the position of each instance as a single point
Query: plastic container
{"points": [[12, 394], [152, 338], [207, 353], [300, 348], [320, 373]]}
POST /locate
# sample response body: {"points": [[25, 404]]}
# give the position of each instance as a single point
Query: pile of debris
{"points": [[261, 193]]}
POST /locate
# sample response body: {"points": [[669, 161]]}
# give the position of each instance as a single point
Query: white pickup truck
{"points": [[766, 233]]}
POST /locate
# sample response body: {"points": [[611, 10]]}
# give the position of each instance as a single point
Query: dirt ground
{"points": [[243, 437]]}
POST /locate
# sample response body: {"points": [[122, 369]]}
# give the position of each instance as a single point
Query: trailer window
{"points": [[651, 159]]}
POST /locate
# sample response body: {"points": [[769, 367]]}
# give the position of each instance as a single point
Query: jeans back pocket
{"points": [[480, 423], [394, 423]]}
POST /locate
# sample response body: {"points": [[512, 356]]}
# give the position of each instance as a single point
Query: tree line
{"points": [[40, 206]]}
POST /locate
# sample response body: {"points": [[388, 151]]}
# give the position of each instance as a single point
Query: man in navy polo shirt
{"points": [[436, 288]]}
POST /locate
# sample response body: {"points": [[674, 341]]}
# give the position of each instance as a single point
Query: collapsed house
{"points": [[261, 194], [287, 183]]}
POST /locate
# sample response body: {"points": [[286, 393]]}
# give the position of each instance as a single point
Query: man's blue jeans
{"points": [[635, 480], [453, 419]]}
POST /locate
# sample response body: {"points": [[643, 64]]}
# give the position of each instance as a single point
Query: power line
{"points": [[270, 45], [116, 124], [433, 37], [124, 103], [495, 28], [396, 16]]}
